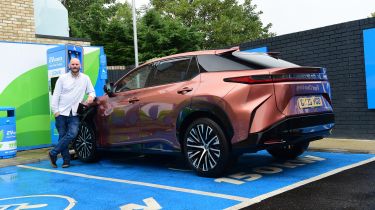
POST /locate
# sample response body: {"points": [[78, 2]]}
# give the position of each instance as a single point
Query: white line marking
{"points": [[151, 204], [177, 169], [298, 184], [71, 201], [165, 187]]}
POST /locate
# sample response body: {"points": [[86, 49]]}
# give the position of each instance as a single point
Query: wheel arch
{"points": [[203, 110]]}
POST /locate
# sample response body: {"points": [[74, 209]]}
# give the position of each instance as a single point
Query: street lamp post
{"points": [[135, 33]]}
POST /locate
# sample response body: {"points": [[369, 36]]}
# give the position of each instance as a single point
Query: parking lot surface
{"points": [[122, 181]]}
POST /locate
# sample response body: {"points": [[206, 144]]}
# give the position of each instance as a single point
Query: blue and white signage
{"points": [[369, 48], [103, 67], [56, 61], [259, 49]]}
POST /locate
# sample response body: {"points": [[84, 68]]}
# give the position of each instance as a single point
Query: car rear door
{"points": [[171, 87]]}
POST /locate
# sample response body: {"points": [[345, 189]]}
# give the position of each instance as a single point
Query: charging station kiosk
{"points": [[58, 59], [31, 71]]}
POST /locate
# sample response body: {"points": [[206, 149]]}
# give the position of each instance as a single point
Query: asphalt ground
{"points": [[352, 189], [126, 181]]}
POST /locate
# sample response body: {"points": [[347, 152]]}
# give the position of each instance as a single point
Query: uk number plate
{"points": [[310, 102]]}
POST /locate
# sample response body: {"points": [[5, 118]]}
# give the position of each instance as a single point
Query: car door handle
{"points": [[184, 90], [133, 100]]}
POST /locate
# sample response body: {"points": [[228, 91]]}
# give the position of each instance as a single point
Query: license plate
{"points": [[310, 102]]}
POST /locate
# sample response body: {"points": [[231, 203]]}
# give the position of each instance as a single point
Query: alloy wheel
{"points": [[84, 142], [203, 147]]}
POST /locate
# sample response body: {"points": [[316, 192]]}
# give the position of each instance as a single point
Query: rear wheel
{"points": [[289, 151], [85, 143], [206, 148]]}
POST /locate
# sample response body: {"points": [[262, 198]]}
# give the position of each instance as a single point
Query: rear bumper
{"points": [[288, 131]]}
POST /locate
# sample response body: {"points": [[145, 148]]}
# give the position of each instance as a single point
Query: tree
{"points": [[105, 23], [117, 37], [373, 14], [224, 22], [83, 12], [110, 25], [161, 36], [168, 27]]}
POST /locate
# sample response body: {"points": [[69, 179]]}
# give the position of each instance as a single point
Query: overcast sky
{"points": [[288, 16]]}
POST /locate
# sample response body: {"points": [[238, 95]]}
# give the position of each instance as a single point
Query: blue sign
{"points": [[369, 48], [259, 49], [56, 60], [103, 67]]}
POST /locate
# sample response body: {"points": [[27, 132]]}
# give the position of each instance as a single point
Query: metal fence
{"points": [[116, 72]]}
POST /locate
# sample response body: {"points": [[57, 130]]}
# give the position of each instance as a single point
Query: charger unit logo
{"points": [[10, 134], [55, 59]]}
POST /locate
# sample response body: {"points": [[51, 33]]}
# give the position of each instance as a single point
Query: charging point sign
{"points": [[56, 64], [103, 67]]}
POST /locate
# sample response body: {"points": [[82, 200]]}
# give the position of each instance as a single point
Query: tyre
{"points": [[85, 143], [206, 148], [289, 151]]}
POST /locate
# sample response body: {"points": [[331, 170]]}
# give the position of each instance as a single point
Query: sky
{"points": [[288, 16]]}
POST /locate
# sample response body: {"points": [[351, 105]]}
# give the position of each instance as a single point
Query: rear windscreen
{"points": [[220, 63], [263, 59], [240, 61]]}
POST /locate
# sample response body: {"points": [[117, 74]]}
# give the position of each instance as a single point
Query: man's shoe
{"points": [[66, 165], [52, 159]]}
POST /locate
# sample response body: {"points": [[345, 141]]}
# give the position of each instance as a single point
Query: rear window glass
{"points": [[241, 61], [263, 60], [220, 63]]}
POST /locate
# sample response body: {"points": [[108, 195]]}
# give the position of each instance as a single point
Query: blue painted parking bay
{"points": [[159, 182]]}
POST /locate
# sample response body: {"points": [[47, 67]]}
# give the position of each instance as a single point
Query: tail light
{"points": [[255, 79], [258, 79]]}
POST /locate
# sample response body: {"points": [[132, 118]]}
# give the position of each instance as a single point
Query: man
{"points": [[69, 91]]}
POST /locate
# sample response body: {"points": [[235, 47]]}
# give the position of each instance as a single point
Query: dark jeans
{"points": [[67, 126]]}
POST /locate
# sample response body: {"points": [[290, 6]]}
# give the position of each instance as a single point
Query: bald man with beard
{"points": [[70, 90]]}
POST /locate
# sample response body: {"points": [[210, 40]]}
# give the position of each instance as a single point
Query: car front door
{"points": [[121, 114], [171, 87]]}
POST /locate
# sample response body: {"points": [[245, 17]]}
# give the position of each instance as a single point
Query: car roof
{"points": [[201, 52]]}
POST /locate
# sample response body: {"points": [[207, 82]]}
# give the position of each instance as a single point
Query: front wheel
{"points": [[289, 151], [85, 143], [206, 148]]}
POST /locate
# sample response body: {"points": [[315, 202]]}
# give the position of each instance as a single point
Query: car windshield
{"points": [[263, 59]]}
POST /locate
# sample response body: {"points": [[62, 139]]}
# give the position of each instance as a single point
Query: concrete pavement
{"points": [[327, 144], [344, 145], [24, 157]]}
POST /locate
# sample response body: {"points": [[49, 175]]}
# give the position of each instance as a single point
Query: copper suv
{"points": [[212, 106]]}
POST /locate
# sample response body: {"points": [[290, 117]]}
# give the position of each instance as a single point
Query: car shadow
{"points": [[176, 162]]}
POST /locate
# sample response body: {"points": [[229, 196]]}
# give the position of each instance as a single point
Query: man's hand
{"points": [[57, 114], [89, 100]]}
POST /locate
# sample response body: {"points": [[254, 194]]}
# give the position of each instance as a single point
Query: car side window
{"points": [[135, 80], [170, 71], [193, 68]]}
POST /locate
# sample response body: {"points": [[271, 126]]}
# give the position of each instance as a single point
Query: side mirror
{"points": [[108, 88]]}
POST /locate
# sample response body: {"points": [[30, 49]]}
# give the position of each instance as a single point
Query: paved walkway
{"points": [[344, 145], [24, 157], [328, 144]]}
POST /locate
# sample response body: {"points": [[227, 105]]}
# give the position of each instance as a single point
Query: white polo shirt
{"points": [[69, 92]]}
